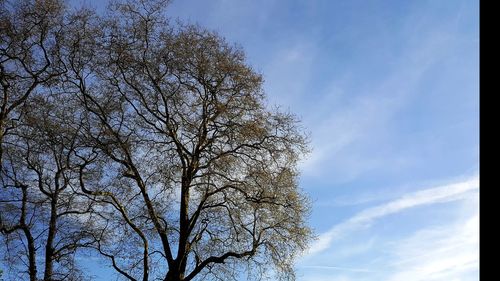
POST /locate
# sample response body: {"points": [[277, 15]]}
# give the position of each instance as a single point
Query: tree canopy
{"points": [[147, 144]]}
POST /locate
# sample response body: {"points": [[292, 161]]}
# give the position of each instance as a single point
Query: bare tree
{"points": [[210, 170], [39, 138], [29, 54], [41, 205], [150, 144]]}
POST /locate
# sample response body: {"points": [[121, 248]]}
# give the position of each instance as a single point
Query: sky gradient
{"points": [[389, 91]]}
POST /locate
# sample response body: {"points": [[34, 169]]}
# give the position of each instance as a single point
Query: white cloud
{"points": [[447, 250], [441, 253], [338, 268], [444, 193], [345, 133]]}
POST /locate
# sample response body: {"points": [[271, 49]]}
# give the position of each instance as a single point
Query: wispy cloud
{"points": [[446, 252], [444, 193], [440, 253], [354, 122], [338, 268]]}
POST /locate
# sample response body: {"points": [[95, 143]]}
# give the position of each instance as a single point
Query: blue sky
{"points": [[389, 92]]}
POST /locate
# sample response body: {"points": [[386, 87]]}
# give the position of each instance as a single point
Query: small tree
{"points": [[44, 216], [34, 174], [29, 54]]}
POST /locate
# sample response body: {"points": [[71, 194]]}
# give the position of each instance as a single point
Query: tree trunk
{"points": [[29, 238], [1, 139], [49, 247], [31, 253], [174, 275]]}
